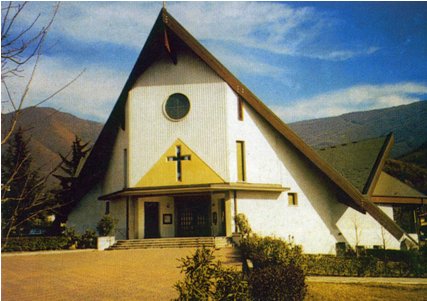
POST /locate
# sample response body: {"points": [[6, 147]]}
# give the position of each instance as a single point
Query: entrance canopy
{"points": [[200, 188]]}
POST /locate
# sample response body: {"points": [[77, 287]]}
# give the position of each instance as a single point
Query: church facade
{"points": [[188, 146]]}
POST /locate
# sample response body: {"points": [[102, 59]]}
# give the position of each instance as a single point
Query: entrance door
{"points": [[151, 217], [193, 216]]}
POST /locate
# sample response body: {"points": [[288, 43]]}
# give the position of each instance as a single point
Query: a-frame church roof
{"points": [[167, 33]]}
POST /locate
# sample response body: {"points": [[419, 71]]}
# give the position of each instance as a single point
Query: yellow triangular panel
{"points": [[193, 169]]}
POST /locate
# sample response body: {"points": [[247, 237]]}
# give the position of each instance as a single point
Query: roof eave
{"points": [[379, 165]]}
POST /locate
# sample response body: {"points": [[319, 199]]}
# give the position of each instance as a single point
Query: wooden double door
{"points": [[193, 216]]}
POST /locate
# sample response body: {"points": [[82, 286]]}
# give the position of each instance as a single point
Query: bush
{"points": [[209, 280], [412, 265], [71, 237], [268, 251], [277, 268], [242, 224], [88, 240], [278, 283], [35, 243], [106, 225]]}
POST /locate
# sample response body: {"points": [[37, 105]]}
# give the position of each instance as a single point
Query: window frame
{"points": [[241, 161], [165, 104], [240, 114], [294, 201]]}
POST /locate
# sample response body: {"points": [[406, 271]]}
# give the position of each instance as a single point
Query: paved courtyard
{"points": [[93, 275], [119, 275]]}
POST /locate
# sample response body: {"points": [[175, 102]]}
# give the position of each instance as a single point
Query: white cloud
{"points": [[92, 95], [273, 27], [356, 98], [248, 63]]}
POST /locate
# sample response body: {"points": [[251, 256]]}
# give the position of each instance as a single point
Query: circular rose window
{"points": [[177, 106]]}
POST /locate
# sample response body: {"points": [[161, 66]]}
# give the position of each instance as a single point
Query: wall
{"points": [[319, 220], [87, 212], [362, 229], [203, 129], [118, 212], [115, 179]]}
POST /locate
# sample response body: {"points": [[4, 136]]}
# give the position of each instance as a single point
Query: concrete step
{"points": [[172, 242]]}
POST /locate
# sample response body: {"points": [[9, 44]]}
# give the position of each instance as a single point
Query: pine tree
{"points": [[65, 195], [23, 197]]}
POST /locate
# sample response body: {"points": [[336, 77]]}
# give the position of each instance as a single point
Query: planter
{"points": [[104, 242]]}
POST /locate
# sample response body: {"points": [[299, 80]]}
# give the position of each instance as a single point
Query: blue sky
{"points": [[303, 59]]}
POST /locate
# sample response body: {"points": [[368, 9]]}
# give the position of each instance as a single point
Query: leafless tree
{"points": [[21, 51], [22, 48]]}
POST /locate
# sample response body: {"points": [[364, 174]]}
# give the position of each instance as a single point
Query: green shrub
{"points": [[71, 237], [329, 265], [88, 240], [242, 224], [278, 282], [268, 251], [36, 243], [277, 268], [106, 225], [208, 280]]}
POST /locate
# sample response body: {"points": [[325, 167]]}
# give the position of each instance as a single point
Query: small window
{"points": [[107, 207], [125, 168], [292, 199], [240, 109], [241, 172]]}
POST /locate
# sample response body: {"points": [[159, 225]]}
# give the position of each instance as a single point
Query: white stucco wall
{"points": [[363, 229], [319, 220], [203, 129], [118, 212], [87, 212], [115, 178]]}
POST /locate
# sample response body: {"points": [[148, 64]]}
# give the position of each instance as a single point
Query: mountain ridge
{"points": [[51, 132], [407, 122]]}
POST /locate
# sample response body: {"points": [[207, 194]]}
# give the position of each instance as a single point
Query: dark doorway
{"points": [[193, 214], [221, 208], [151, 216]]}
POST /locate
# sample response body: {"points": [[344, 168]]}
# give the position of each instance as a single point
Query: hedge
{"points": [[411, 265], [69, 239], [36, 243]]}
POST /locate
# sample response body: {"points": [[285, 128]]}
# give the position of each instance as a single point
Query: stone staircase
{"points": [[172, 242]]}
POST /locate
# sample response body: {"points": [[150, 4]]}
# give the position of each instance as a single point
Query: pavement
{"points": [[147, 274], [376, 280]]}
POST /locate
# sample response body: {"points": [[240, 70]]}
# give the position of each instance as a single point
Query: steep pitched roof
{"points": [[390, 186], [360, 162], [165, 33], [390, 190]]}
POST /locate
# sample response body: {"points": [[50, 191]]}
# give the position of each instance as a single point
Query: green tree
{"points": [[69, 165], [24, 200]]}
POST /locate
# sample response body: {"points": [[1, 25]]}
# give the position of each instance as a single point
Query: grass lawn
{"points": [[359, 292]]}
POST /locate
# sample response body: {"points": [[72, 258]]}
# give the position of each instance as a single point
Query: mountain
{"points": [[407, 122], [417, 156], [51, 132]]}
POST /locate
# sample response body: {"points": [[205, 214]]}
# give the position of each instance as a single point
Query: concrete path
{"points": [[376, 280]]}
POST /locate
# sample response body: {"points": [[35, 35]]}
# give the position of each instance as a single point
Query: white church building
{"points": [[188, 146]]}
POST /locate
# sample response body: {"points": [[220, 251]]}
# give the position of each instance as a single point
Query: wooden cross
{"points": [[178, 158]]}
